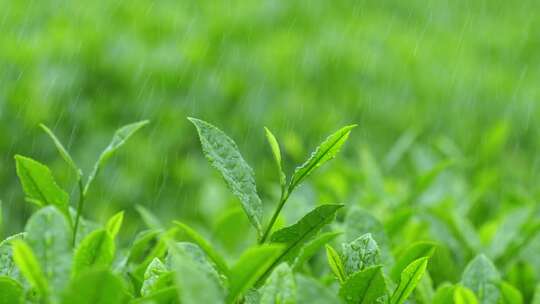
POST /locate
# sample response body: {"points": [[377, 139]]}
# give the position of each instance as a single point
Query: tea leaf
{"points": [[413, 252], [251, 267], [365, 287], [276, 152], [11, 291], [336, 265], [30, 268], [96, 251], [360, 253], [326, 151], [510, 294], [311, 291], [463, 295], [114, 224], [409, 278], [119, 139], [156, 277], [97, 287], [62, 151], [280, 287], [223, 154], [481, 277], [7, 264], [312, 247], [39, 184]]}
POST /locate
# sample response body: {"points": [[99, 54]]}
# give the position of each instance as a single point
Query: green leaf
{"points": [[119, 139], [536, 297], [411, 253], [280, 288], [223, 154], [148, 218], [359, 254], [444, 294], [39, 185], [481, 276], [311, 291], [186, 233], [62, 151], [148, 244], [326, 151], [97, 287], [11, 291], [410, 277], [114, 224], [276, 152], [7, 264], [196, 278], [295, 236], [96, 251], [312, 247], [156, 278], [365, 287], [510, 294], [424, 292], [251, 267], [463, 295], [49, 235], [336, 265], [30, 268]]}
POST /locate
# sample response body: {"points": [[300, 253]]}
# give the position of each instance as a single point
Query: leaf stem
{"points": [[80, 206], [282, 200]]}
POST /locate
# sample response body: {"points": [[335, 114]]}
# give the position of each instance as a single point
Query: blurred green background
{"points": [[426, 81]]}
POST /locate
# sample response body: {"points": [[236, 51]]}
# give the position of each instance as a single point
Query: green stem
{"points": [[282, 200], [80, 206]]}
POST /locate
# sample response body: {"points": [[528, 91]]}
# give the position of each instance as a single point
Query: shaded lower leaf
{"points": [[312, 292], [96, 250], [11, 291], [311, 248], [365, 287], [413, 252], [280, 288], [481, 276], [97, 287]]}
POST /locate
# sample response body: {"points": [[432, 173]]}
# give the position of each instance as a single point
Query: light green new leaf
{"points": [[444, 294], [311, 291], [251, 268], [365, 287], [280, 288], [11, 291], [295, 236], [62, 151], [223, 154], [536, 296], [148, 217], [481, 276], [276, 152], [30, 268], [97, 287], [188, 234], [335, 263], [148, 244], [114, 224], [39, 185], [326, 151], [7, 264], [49, 235], [156, 278], [510, 294], [463, 295], [359, 254], [312, 247], [196, 277], [119, 138], [410, 277], [411, 253], [96, 251]]}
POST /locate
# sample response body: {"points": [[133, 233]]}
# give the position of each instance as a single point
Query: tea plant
{"points": [[61, 257]]}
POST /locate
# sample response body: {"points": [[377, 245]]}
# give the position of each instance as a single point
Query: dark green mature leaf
{"points": [[62, 151], [335, 263], [326, 151], [49, 235], [359, 254], [11, 291], [7, 264], [312, 247], [96, 251], [30, 268], [276, 152], [365, 287], [481, 276], [119, 139], [409, 278], [39, 185], [280, 288], [223, 154], [311, 291], [463, 295], [252, 267], [97, 287], [114, 224], [411, 253], [196, 277], [186, 233], [295, 236]]}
